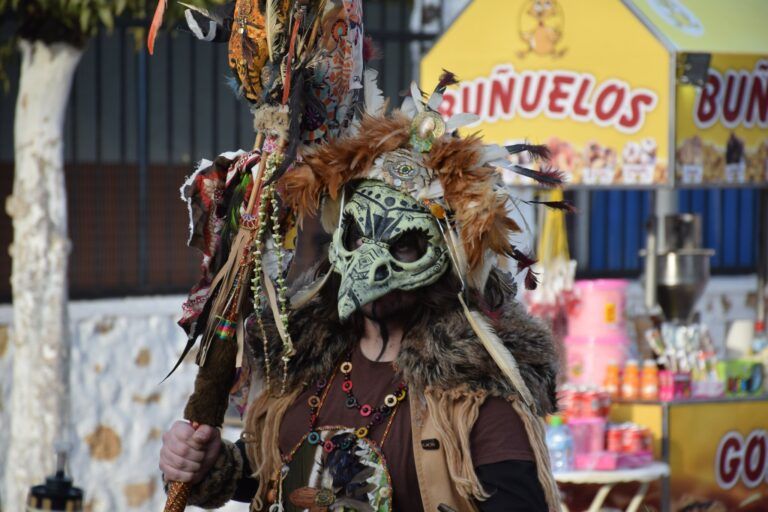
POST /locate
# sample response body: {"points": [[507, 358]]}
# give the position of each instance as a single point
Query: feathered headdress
{"points": [[418, 152]]}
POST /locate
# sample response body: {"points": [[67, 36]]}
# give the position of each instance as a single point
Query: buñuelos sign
{"points": [[607, 85]]}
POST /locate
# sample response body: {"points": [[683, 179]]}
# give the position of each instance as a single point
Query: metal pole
{"points": [[142, 156], [583, 200], [651, 248]]}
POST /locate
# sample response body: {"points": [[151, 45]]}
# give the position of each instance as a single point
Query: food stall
{"points": [[652, 94]]}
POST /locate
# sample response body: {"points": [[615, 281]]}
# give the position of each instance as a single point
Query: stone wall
{"points": [[121, 351]]}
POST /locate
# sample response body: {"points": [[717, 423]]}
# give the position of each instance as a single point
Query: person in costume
{"points": [[415, 380]]}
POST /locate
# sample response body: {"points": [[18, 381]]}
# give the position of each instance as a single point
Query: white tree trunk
{"points": [[38, 207]]}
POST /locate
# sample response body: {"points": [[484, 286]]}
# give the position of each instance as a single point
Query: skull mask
{"points": [[387, 241]]}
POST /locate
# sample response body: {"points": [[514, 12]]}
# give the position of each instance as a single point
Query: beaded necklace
{"points": [[377, 415]]}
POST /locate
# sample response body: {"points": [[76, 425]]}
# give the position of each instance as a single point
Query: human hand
{"points": [[188, 453]]}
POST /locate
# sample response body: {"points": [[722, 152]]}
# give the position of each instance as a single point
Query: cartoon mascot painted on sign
{"points": [[541, 28]]}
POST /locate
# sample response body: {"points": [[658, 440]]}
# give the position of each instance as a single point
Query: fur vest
{"points": [[449, 374]]}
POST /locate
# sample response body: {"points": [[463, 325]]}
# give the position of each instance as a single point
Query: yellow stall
{"points": [[626, 93]]}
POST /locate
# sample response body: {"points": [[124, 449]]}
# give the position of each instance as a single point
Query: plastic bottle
{"points": [[630, 385], [612, 381], [560, 444], [649, 382], [760, 339]]}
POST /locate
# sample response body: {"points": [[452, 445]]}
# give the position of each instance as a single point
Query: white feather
{"points": [[500, 354], [409, 107], [493, 152], [435, 100], [418, 100], [460, 121], [374, 97], [201, 10], [197, 30]]}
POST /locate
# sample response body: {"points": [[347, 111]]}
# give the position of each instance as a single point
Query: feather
{"points": [[493, 154], [374, 97], [157, 22], [307, 293], [273, 27], [319, 12], [371, 50], [203, 11], [418, 97], [408, 107], [516, 206], [460, 121], [434, 101], [547, 177], [523, 260], [537, 151], [296, 106], [531, 280], [446, 79], [495, 347], [197, 30], [565, 206]]}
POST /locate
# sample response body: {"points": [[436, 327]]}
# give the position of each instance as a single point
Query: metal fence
{"points": [[135, 126]]}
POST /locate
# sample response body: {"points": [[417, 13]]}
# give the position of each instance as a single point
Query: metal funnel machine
{"points": [[682, 267]]}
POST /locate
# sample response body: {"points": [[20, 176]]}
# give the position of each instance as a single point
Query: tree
{"points": [[51, 36]]}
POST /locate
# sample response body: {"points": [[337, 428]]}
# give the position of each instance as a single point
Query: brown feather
{"points": [[329, 167], [470, 188]]}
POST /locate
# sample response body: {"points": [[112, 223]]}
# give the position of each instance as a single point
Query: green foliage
{"points": [[83, 18], [76, 21]]}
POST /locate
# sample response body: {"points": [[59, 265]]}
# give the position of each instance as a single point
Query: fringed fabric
{"points": [[261, 437], [454, 414]]}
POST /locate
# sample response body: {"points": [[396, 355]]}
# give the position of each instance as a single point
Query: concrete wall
{"points": [[122, 349]]}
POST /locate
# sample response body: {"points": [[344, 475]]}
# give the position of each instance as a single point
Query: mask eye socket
{"points": [[409, 246], [352, 238]]}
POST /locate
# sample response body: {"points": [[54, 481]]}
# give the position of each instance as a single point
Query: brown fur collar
{"points": [[439, 352]]}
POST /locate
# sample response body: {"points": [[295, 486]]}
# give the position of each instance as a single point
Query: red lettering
{"points": [[526, 105], [604, 109], [758, 101], [706, 110], [501, 96], [754, 459], [734, 101], [557, 94], [728, 463], [637, 112], [448, 107], [578, 105], [479, 91]]}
